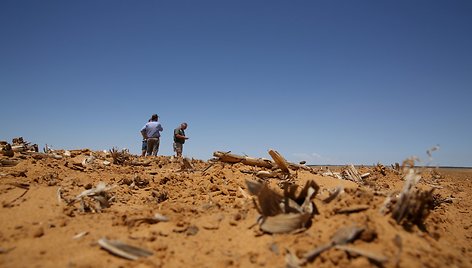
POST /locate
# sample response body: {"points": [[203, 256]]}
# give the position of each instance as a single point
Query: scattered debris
{"points": [[119, 158], [352, 209], [351, 173], [216, 189], [187, 165], [342, 236], [283, 214], [20, 145], [6, 150], [413, 205], [381, 168], [94, 199], [333, 195]]}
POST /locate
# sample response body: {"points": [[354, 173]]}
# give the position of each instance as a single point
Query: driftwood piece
{"points": [[279, 161], [284, 223], [258, 162], [377, 258], [8, 163], [352, 209], [250, 161]]}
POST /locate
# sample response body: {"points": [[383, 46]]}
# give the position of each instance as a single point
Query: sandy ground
{"points": [[212, 223]]}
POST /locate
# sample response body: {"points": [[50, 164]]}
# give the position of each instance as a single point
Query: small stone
{"points": [[192, 230], [237, 216], [38, 232], [368, 235]]}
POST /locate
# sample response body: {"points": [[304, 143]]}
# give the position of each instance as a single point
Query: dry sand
{"points": [[211, 222]]}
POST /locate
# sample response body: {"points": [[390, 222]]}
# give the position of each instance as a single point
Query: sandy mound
{"points": [[211, 221]]}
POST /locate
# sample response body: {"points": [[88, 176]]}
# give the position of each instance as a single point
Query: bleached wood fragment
{"points": [[280, 161]]}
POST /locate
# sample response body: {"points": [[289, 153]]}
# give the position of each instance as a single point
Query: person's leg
{"points": [[174, 145], [155, 148], [144, 148], [150, 146], [178, 149]]}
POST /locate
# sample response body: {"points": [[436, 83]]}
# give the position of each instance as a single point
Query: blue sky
{"points": [[330, 82]]}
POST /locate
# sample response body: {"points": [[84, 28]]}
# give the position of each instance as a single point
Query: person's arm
{"points": [[143, 132], [178, 136], [181, 137]]}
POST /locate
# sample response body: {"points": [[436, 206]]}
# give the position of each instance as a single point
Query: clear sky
{"points": [[329, 82]]}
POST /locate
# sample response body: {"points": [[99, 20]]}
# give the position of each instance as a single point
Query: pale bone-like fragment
{"points": [[333, 195], [342, 236], [59, 196], [123, 250], [266, 174], [244, 193], [187, 164], [291, 260], [284, 223], [282, 214], [151, 220], [411, 179], [101, 187], [372, 256], [80, 235], [88, 160], [307, 205]]}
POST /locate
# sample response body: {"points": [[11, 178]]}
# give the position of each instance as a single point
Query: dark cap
{"points": [[154, 117]]}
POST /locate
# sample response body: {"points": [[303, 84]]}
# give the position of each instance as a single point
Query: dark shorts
{"points": [[178, 147], [144, 145]]}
